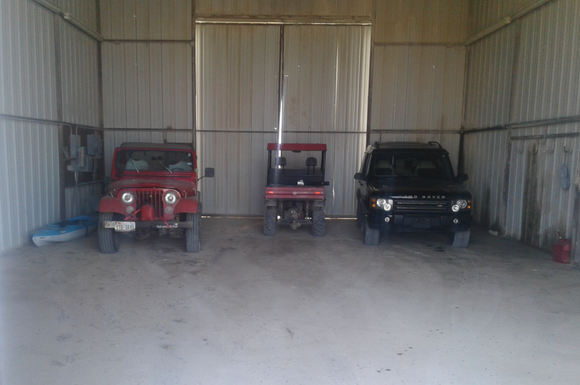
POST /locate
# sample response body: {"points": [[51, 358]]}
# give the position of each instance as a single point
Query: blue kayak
{"points": [[66, 230]]}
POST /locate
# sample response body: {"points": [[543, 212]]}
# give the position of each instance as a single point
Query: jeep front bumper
{"points": [[128, 226]]}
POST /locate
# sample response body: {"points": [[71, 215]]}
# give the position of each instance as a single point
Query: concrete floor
{"points": [[291, 309]]}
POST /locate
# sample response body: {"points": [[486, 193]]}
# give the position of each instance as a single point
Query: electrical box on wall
{"points": [[82, 158]]}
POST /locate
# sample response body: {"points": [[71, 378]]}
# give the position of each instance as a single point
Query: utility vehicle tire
{"points": [[371, 236], [109, 240], [270, 221], [318, 224], [459, 238], [192, 242], [360, 216]]}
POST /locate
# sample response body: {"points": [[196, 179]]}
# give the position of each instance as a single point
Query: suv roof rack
{"points": [[435, 143]]}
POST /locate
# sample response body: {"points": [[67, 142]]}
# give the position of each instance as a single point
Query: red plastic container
{"points": [[562, 251]]}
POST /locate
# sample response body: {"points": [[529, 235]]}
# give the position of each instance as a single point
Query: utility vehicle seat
{"points": [[311, 162]]}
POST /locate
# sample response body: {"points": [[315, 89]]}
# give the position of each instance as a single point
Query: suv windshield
{"points": [[421, 165], [154, 160]]}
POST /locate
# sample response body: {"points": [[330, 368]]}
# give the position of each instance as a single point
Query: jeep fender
{"points": [[186, 205], [109, 204]]}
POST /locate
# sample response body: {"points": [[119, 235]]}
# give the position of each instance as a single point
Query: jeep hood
{"points": [[185, 187], [417, 186]]}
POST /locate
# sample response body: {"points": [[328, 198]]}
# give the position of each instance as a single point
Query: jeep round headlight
{"points": [[170, 198], [455, 208], [127, 197], [381, 202]]}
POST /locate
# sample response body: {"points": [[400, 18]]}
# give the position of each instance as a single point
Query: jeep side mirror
{"points": [[359, 176], [208, 173], [462, 178]]}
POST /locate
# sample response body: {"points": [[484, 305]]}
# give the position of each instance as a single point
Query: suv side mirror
{"points": [[359, 176], [462, 178]]}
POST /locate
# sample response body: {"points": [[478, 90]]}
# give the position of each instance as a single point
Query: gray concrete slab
{"points": [[289, 309]]}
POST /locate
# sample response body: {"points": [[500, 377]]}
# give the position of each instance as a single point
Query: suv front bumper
{"points": [[445, 221]]}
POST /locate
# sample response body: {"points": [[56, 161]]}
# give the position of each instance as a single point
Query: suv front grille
{"points": [[153, 197], [421, 205]]}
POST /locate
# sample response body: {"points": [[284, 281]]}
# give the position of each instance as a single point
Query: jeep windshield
{"points": [[168, 161], [411, 165]]}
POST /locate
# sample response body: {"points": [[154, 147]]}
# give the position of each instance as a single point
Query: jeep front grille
{"points": [[153, 197], [421, 205]]}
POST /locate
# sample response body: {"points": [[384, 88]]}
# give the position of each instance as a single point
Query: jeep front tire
{"points": [[108, 239], [192, 242]]}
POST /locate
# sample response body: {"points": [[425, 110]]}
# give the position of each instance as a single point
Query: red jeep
{"points": [[295, 187], [153, 190]]}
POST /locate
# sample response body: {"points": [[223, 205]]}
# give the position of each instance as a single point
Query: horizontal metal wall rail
{"points": [[46, 121], [536, 123]]}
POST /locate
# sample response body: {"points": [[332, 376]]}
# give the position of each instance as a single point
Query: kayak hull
{"points": [[67, 230]]}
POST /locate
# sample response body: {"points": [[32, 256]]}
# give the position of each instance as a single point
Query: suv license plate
{"points": [[125, 226]]}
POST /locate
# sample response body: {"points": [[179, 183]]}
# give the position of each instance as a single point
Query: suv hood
{"points": [[185, 187], [402, 186]]}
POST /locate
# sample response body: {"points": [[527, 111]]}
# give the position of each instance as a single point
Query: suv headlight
{"points": [[127, 197], [460, 204], [385, 204], [170, 198]]}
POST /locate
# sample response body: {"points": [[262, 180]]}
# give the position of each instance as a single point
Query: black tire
{"points": [[109, 240], [371, 236], [360, 216], [318, 223], [459, 239], [270, 221], [192, 242]]}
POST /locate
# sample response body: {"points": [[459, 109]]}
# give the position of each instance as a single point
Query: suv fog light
{"points": [[387, 219], [168, 210], [130, 209], [455, 220]]}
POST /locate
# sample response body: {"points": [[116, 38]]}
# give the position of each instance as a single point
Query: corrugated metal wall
{"points": [[324, 100], [237, 112], [27, 57], [326, 78], [29, 180], [522, 106], [147, 72], [420, 21], [418, 72], [33, 88], [324, 8]]}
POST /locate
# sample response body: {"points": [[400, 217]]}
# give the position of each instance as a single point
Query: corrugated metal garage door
{"points": [[322, 98]]}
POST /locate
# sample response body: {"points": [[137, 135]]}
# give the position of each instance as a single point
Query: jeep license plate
{"points": [[125, 226]]}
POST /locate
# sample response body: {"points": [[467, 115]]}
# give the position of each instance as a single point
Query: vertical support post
{"points": [[59, 114]]}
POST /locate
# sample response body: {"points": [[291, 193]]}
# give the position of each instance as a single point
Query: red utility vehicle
{"points": [[295, 187], [153, 189]]}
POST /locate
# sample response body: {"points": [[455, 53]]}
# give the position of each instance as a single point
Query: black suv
{"points": [[411, 186]]}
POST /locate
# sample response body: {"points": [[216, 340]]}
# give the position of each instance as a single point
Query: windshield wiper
{"points": [[163, 164]]}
